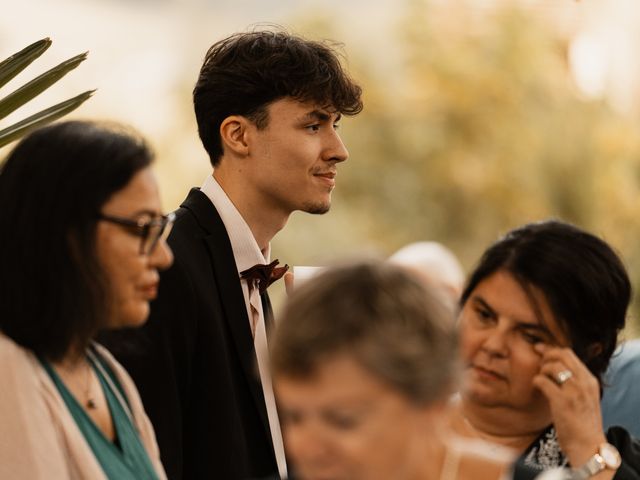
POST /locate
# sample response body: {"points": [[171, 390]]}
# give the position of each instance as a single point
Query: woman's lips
{"points": [[150, 291], [487, 374]]}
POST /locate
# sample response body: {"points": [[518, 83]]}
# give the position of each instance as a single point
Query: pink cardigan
{"points": [[38, 437]]}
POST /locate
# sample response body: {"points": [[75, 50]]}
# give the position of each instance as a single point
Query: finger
{"points": [[541, 347], [557, 371], [549, 388], [565, 356], [554, 353], [288, 282], [576, 381]]}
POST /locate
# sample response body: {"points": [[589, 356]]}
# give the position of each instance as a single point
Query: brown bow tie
{"points": [[264, 274]]}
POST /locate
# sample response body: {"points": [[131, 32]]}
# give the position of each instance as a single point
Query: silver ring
{"points": [[563, 376]]}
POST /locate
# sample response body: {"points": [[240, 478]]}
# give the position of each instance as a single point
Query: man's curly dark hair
{"points": [[244, 73]]}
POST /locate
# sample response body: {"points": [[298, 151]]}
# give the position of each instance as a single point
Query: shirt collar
{"points": [[245, 248]]}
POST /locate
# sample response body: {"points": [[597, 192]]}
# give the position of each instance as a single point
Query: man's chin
{"points": [[316, 208]]}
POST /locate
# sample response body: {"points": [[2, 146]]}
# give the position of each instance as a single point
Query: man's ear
{"points": [[233, 132]]}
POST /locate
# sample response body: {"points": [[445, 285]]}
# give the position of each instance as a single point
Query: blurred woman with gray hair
{"points": [[364, 361]]}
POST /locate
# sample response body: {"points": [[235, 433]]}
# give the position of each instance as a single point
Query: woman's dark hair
{"points": [[583, 280], [53, 296], [244, 73], [381, 315]]}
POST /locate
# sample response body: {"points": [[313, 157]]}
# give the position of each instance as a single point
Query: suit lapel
{"points": [[231, 297]]}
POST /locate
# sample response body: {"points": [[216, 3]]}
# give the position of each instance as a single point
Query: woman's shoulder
{"points": [[7, 346], [14, 359], [26, 385]]}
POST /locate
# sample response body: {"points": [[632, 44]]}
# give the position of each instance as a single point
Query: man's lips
{"points": [[331, 175], [327, 177]]}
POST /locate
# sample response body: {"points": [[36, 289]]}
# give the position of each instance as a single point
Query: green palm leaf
{"points": [[38, 85], [17, 62], [12, 66], [43, 117]]}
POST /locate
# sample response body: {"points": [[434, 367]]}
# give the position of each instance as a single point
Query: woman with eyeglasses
{"points": [[82, 239]]}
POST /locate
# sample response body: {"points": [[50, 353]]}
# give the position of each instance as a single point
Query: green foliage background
{"points": [[477, 128], [473, 123]]}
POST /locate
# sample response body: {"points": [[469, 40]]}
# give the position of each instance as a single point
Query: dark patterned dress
{"points": [[544, 453]]}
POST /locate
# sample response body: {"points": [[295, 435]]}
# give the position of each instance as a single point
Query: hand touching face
{"points": [[573, 394], [515, 355]]}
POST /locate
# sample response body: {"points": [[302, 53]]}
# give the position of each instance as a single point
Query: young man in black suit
{"points": [[267, 105]]}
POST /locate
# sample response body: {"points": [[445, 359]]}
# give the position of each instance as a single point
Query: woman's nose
{"points": [[496, 343], [162, 256]]}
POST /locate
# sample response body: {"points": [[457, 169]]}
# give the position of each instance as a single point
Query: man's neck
{"points": [[263, 221]]}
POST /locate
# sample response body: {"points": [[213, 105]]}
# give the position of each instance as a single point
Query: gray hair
{"points": [[382, 315]]}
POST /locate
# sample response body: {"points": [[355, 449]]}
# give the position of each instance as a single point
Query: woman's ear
{"points": [[233, 132]]}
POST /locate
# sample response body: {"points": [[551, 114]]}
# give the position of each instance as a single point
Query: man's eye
{"points": [[336, 126], [314, 127]]}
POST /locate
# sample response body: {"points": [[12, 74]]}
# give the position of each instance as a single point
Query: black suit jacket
{"points": [[194, 361]]}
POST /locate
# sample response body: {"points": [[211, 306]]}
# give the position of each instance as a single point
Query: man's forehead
{"points": [[321, 114], [304, 109], [315, 104]]}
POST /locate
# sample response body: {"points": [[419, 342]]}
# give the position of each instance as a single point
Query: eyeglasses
{"points": [[151, 231]]}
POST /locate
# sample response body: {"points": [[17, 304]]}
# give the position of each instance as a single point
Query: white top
{"points": [[247, 254]]}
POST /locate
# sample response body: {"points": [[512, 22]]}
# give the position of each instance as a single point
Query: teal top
{"points": [[125, 458]]}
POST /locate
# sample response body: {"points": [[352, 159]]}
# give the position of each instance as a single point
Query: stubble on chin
{"points": [[319, 206], [316, 208]]}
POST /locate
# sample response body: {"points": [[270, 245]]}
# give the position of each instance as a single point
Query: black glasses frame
{"points": [[150, 231]]}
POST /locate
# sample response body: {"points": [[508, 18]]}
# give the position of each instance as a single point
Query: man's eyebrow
{"points": [[321, 116]]}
